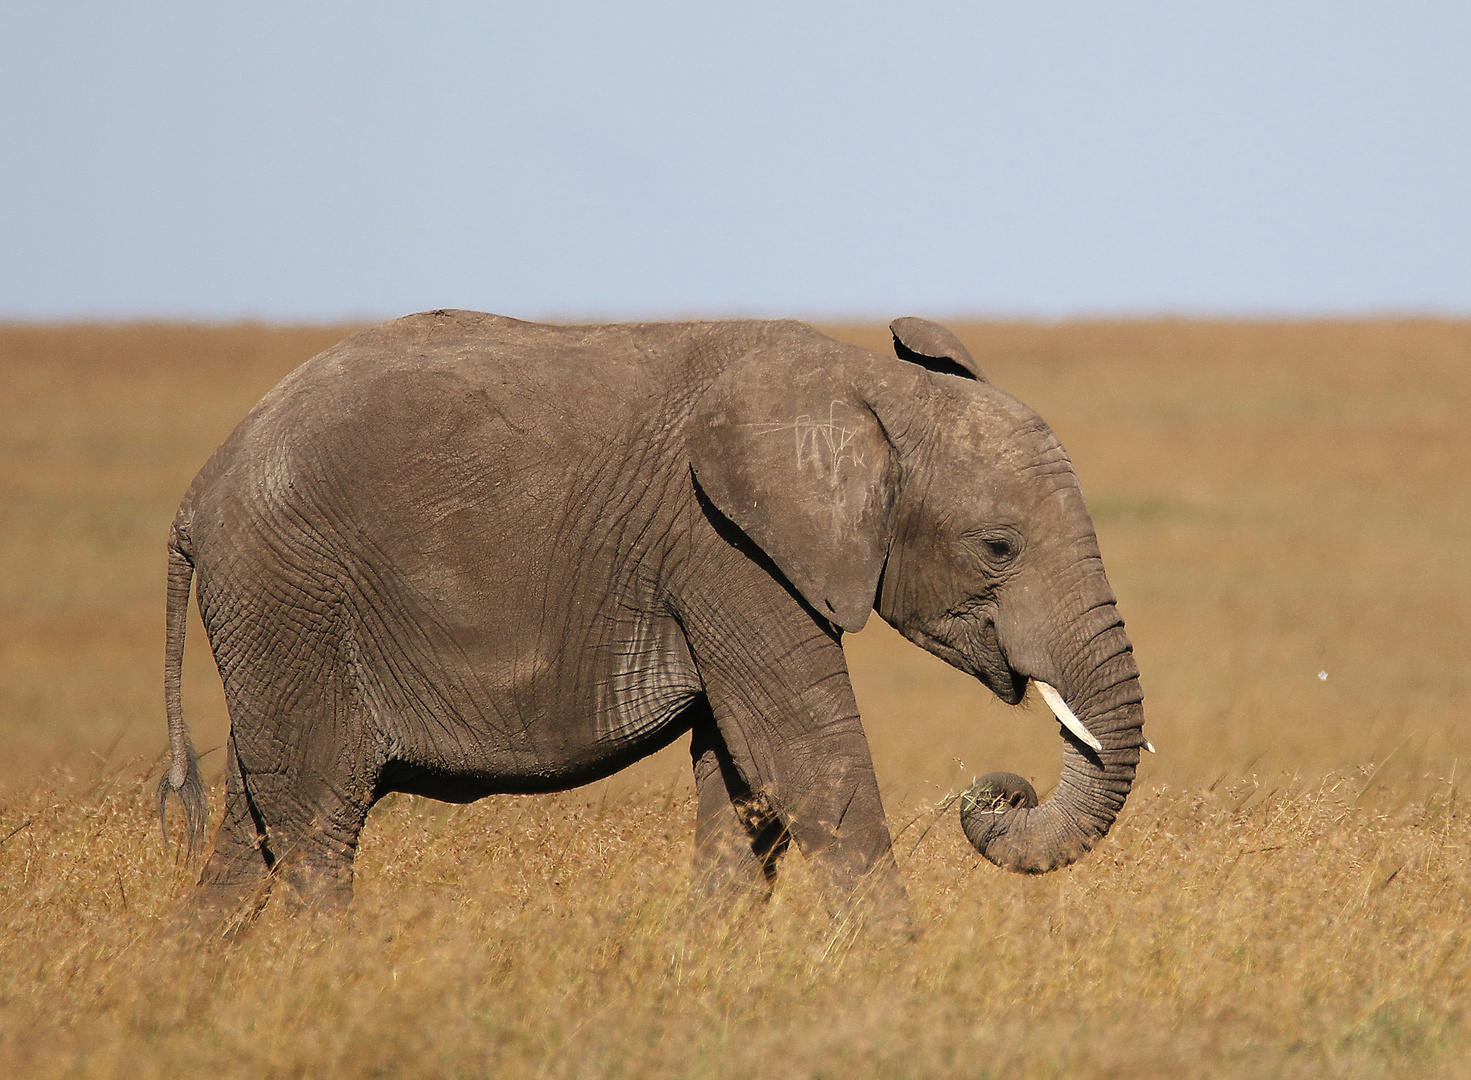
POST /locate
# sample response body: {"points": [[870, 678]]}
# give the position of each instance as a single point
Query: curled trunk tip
{"points": [[1005, 822]]}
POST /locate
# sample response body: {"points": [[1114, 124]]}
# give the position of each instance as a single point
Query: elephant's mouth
{"points": [[1004, 681], [980, 656]]}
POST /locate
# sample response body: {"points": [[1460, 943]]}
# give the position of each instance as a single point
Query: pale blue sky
{"points": [[326, 161]]}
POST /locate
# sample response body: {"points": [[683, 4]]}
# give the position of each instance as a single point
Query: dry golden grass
{"points": [[1286, 892]]}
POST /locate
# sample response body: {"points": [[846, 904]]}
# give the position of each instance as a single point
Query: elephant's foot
{"points": [[879, 909], [238, 881], [859, 878], [728, 884], [737, 851], [219, 909], [313, 888]]}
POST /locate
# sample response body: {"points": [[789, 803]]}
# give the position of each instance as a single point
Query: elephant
{"points": [[460, 554]]}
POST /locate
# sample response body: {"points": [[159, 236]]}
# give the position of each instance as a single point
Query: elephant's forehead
{"points": [[997, 456], [1000, 431]]}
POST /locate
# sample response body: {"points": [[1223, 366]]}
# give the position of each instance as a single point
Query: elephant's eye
{"points": [[998, 548]]}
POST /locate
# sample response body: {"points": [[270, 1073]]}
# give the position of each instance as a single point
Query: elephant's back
{"points": [[436, 373], [416, 371], [434, 430], [451, 453], [441, 383]]}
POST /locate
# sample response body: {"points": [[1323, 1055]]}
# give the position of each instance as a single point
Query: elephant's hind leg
{"points": [[312, 811], [739, 838], [237, 876], [304, 768]]}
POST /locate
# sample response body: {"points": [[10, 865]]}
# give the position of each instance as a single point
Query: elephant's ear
{"points": [[930, 345], [800, 463]]}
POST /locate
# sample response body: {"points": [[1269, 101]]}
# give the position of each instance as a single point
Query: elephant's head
{"points": [[914, 486]]}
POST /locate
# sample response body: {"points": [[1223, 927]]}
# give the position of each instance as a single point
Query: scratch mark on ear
{"points": [[825, 443]]}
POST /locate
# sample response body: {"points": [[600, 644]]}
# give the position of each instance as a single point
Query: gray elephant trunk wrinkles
{"points": [[459, 554]]}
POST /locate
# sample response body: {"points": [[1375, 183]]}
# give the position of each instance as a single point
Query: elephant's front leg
{"points": [[739, 836], [826, 785], [797, 751]]}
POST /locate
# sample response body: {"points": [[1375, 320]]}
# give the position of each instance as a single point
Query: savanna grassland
{"points": [[1287, 893]]}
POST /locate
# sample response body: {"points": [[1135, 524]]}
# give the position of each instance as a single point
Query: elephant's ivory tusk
{"points": [[1150, 747], [1063, 713]]}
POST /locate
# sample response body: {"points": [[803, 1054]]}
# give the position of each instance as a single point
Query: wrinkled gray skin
{"points": [[458, 554]]}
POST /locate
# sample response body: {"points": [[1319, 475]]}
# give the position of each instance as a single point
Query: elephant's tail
{"points": [[182, 774]]}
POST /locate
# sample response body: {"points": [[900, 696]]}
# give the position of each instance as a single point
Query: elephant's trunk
{"points": [[1016, 833]]}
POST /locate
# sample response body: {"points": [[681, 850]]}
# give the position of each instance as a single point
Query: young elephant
{"points": [[458, 554]]}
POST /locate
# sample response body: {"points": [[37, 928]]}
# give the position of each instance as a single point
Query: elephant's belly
{"points": [[647, 678], [549, 722], [476, 771]]}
